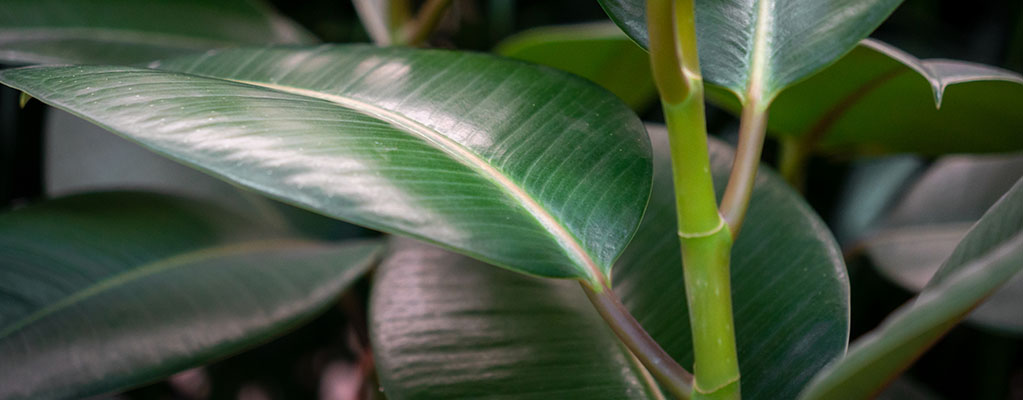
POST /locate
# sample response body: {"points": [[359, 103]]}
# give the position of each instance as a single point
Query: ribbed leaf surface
{"points": [[519, 165], [100, 292], [129, 31], [596, 51], [447, 327], [774, 43]]}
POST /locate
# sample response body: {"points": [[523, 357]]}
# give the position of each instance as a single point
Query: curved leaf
{"points": [[445, 326], [926, 225], [596, 51], [127, 31], [757, 48], [990, 255], [518, 165], [445, 329], [789, 284], [100, 292], [880, 99]]}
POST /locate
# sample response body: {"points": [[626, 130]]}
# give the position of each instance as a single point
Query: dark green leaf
{"points": [[990, 255], [446, 329], [598, 51], [927, 224], [445, 326], [101, 292], [129, 31], [521, 166], [789, 284], [757, 48], [880, 99]]}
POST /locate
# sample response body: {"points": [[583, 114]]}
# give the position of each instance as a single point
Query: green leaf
{"points": [[990, 255], [100, 292], [447, 327], [924, 228], [880, 99], [127, 31], [597, 51], [789, 284], [757, 48], [444, 326], [521, 166]]}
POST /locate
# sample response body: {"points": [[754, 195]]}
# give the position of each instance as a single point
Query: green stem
{"points": [[708, 292], [669, 373], [752, 128], [792, 162], [429, 15], [705, 237]]}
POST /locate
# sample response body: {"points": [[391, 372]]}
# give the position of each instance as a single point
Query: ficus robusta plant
{"points": [[625, 260]]}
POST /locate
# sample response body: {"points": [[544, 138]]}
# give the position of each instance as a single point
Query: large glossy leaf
{"points": [[80, 157], [771, 43], [129, 31], [789, 284], [990, 255], [880, 99], [519, 165], [597, 51], [926, 225], [100, 292], [445, 326], [446, 329]]}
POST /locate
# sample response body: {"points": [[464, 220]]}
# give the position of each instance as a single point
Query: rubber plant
{"points": [[546, 242]]}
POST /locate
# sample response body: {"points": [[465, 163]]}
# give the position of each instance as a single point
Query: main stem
{"points": [[705, 237]]}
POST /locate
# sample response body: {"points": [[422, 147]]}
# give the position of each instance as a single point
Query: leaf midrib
{"points": [[146, 270], [566, 240]]}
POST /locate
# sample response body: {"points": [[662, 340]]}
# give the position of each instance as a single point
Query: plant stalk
{"points": [[418, 30], [752, 128], [792, 162], [669, 373], [704, 235]]}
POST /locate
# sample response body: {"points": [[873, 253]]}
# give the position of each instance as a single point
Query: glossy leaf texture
{"points": [[128, 31], [880, 99], [925, 226], [505, 161], [596, 51], [443, 328], [989, 256], [104, 291], [757, 48], [790, 291]]}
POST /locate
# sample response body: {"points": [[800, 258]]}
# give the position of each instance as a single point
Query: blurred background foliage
{"points": [[864, 199]]}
